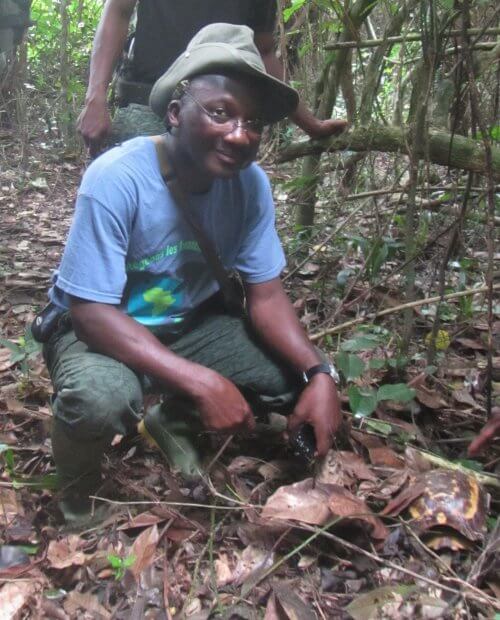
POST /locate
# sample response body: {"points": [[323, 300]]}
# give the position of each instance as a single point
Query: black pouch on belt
{"points": [[46, 322]]}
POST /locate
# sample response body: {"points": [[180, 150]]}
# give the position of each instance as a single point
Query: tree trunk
{"points": [[331, 81]]}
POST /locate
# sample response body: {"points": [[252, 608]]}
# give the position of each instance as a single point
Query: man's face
{"points": [[214, 126]]}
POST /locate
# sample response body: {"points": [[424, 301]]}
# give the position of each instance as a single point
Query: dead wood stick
{"points": [[478, 594], [482, 477], [412, 304], [411, 36]]}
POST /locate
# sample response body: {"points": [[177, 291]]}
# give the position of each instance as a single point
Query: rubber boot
{"points": [[78, 467], [174, 427]]}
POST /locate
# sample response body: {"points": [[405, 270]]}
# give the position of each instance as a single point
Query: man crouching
{"points": [[143, 306]]}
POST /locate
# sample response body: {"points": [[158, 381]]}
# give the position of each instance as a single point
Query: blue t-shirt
{"points": [[130, 246]]}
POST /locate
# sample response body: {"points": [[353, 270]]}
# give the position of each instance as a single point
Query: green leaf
{"points": [[384, 428], [114, 560], [12, 346], [29, 549], [350, 365], [291, 10], [376, 363], [364, 342], [48, 481], [399, 392], [129, 561], [362, 401], [8, 456], [470, 464], [55, 594], [495, 132]]}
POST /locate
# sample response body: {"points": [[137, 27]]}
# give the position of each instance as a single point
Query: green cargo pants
{"points": [[97, 397], [135, 120]]}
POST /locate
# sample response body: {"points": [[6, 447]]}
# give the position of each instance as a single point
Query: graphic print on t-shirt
{"points": [[156, 299]]}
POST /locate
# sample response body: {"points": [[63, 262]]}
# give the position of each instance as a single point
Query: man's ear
{"points": [[172, 116]]}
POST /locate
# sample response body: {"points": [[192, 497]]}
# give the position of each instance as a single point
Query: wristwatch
{"points": [[325, 368]]}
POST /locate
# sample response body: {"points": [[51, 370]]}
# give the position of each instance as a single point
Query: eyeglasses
{"points": [[227, 123]]}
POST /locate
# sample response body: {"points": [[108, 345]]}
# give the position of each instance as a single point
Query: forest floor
{"points": [[262, 535]]}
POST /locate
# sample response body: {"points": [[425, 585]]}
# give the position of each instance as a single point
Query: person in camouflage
{"points": [[163, 30], [14, 20]]}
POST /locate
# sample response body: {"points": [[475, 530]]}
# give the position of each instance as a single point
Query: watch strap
{"points": [[325, 368]]}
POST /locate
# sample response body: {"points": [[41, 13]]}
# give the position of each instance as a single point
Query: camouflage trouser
{"points": [[135, 120], [97, 397], [14, 19]]}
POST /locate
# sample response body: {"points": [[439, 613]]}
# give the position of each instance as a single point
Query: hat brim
{"points": [[210, 58]]}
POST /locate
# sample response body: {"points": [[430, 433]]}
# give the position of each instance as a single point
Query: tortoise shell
{"points": [[450, 499]]}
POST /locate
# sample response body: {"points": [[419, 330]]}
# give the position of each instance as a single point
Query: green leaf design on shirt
{"points": [[160, 299]]}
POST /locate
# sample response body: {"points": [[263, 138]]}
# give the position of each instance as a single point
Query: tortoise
{"points": [[450, 500]]}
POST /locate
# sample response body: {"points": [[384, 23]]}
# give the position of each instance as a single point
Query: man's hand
{"points": [[221, 405], [487, 434], [94, 125], [318, 406], [326, 128]]}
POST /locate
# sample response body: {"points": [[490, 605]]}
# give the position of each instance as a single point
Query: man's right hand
{"points": [[94, 125], [220, 403]]}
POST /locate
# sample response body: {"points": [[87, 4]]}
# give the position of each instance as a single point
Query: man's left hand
{"points": [[318, 406]]}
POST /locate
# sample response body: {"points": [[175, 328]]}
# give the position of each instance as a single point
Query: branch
{"points": [[454, 151], [411, 36], [412, 304]]}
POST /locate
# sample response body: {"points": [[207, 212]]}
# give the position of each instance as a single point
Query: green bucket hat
{"points": [[224, 47]]}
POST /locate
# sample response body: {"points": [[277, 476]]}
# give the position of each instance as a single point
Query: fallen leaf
{"points": [[464, 398], [343, 503], [193, 607], [301, 501], [469, 343], [244, 464], [145, 519], [394, 482], [272, 610], [14, 596], [343, 468], [371, 604], [79, 601], [179, 534], [366, 440], [415, 460], [67, 552], [9, 508], [403, 500], [6, 360], [293, 606], [223, 571], [385, 457], [429, 398], [144, 549], [275, 470], [253, 561]]}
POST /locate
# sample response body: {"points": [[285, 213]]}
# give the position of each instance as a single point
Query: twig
{"points": [[413, 304], [115, 502], [218, 454], [411, 36], [478, 594], [323, 243], [486, 479]]}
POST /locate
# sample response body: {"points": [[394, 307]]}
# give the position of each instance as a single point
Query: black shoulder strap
{"points": [[231, 298]]}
